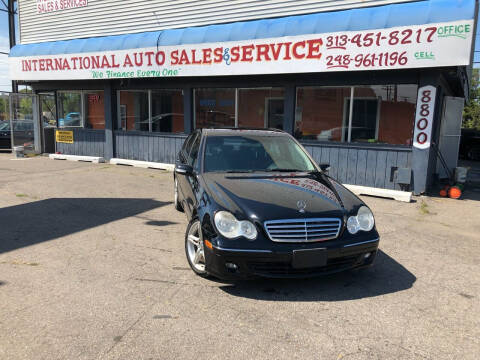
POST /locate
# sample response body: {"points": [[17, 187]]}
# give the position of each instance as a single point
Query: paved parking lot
{"points": [[92, 266]]}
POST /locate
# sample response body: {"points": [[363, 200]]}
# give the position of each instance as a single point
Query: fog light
{"points": [[231, 267], [367, 255]]}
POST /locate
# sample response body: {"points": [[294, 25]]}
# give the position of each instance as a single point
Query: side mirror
{"points": [[184, 169], [324, 167]]}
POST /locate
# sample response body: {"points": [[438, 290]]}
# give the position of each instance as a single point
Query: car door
{"points": [[191, 181], [182, 159]]}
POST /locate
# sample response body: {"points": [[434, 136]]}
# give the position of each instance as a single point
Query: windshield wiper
{"points": [[284, 170], [239, 171]]}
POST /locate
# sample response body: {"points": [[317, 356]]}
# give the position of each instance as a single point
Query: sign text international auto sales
{"points": [[447, 44]]}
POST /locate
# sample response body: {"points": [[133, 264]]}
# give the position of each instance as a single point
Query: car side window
{"points": [[192, 156], [187, 145]]}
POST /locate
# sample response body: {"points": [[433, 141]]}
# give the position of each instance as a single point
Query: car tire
{"points": [[178, 206], [194, 248]]}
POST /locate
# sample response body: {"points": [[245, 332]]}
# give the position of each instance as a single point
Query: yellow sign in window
{"points": [[64, 136]]}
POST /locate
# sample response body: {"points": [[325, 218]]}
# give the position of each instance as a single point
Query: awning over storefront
{"points": [[406, 35]]}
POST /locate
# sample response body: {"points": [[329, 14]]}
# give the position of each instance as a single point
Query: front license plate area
{"points": [[309, 258]]}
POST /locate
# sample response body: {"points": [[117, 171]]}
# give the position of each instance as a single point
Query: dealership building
{"points": [[369, 87]]}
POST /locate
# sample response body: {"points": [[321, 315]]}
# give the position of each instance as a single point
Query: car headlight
{"points": [[230, 227], [364, 221]]}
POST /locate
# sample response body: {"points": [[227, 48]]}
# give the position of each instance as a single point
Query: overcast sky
{"points": [[5, 84]]}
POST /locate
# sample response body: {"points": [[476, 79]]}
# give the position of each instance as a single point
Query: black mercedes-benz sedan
{"points": [[259, 206]]}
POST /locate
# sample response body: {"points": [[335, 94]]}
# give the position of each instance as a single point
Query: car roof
{"points": [[226, 131]]}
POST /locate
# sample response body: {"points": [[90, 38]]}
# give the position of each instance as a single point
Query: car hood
{"points": [[271, 197]]}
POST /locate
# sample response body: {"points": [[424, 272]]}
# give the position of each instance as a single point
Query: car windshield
{"points": [[5, 125], [251, 153]]}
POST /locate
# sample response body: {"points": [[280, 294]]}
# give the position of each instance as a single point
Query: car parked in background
{"points": [[71, 119], [23, 133], [5, 135], [259, 206]]}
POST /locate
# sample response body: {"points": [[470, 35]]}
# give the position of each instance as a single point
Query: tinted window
{"points": [[194, 151], [254, 153], [187, 145]]}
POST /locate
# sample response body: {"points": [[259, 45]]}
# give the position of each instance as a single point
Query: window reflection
{"points": [[214, 107], [380, 113]]}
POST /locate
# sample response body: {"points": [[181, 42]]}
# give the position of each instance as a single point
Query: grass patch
{"points": [[17, 262], [21, 195], [424, 208]]}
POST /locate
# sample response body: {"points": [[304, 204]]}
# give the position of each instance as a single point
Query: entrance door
{"points": [[25, 122], [48, 117], [274, 114]]}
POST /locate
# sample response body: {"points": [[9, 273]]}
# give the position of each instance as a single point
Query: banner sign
{"points": [[63, 136], [422, 133], [48, 6], [416, 46]]}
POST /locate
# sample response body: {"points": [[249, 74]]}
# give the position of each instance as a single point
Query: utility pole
{"points": [[11, 31]]}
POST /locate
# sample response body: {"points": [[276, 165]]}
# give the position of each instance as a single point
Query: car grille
{"points": [[303, 230], [286, 269]]}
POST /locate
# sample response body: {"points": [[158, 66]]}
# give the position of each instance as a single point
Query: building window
{"points": [[242, 107], [94, 110], [151, 110], [394, 106], [214, 107], [81, 109], [134, 105], [167, 111], [261, 107], [379, 113], [70, 109], [320, 113]]}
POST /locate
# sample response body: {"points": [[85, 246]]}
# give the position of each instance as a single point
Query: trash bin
{"points": [[461, 174], [18, 150]]}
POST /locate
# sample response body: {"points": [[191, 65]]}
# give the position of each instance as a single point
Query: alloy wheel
{"points": [[194, 247]]}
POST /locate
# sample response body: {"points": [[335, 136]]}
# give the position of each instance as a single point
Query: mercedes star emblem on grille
{"points": [[301, 205]]}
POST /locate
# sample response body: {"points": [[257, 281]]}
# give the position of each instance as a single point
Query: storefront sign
{"points": [[423, 121], [47, 6], [62, 136], [431, 45]]}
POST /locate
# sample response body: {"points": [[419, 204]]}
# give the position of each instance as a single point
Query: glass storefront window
{"points": [[214, 107], [134, 112], [384, 114], [70, 109], [167, 111], [380, 113], [261, 107], [48, 110], [94, 110], [321, 113]]}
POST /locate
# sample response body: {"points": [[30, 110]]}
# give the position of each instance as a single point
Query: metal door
{"points": [[25, 122], [449, 139], [48, 123]]}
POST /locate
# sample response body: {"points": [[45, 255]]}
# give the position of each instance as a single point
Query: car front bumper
{"points": [[233, 264], [5, 143]]}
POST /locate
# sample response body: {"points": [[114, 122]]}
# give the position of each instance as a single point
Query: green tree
{"points": [[26, 107], [471, 113], [4, 108]]}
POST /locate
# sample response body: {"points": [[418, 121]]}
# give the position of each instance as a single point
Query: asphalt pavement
{"points": [[92, 266]]}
